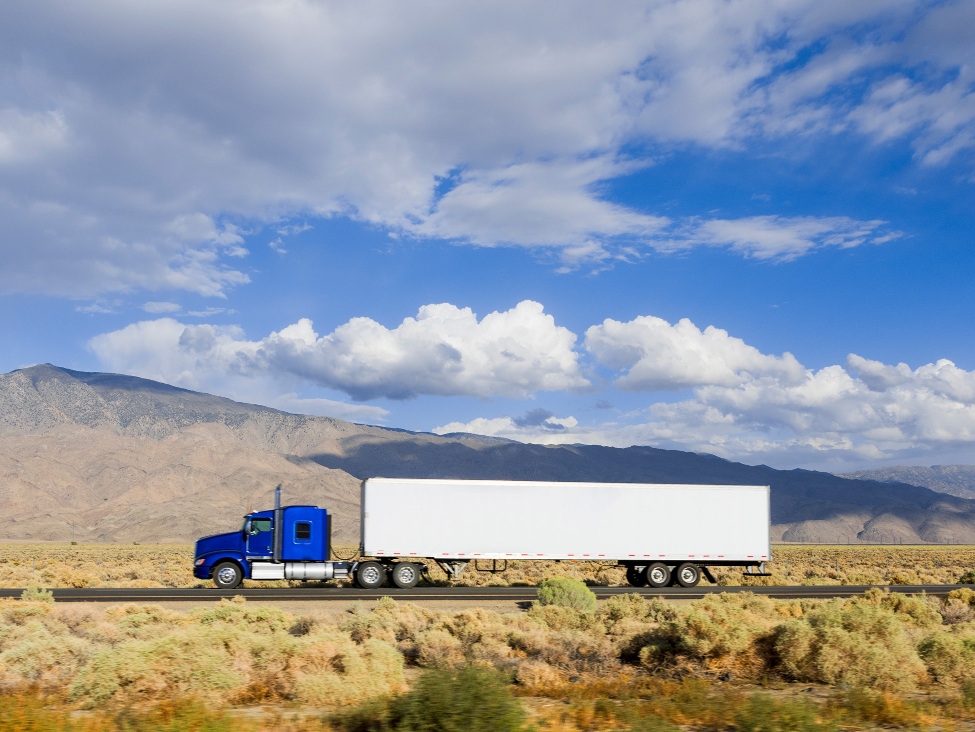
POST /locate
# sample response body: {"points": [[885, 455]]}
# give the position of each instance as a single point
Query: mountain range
{"points": [[113, 458], [957, 480]]}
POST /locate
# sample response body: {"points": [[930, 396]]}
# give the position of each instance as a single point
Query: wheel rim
{"points": [[226, 576], [370, 575], [688, 574], [657, 575], [406, 575]]}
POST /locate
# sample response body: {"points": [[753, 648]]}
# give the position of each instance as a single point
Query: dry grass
{"points": [[170, 565], [736, 660]]}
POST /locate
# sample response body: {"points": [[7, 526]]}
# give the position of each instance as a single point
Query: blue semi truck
{"points": [[662, 533], [288, 543]]}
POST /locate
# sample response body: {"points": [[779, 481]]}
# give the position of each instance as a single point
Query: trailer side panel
{"points": [[470, 519]]}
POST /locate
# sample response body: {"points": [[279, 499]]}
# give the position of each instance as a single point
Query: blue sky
{"points": [[742, 228]]}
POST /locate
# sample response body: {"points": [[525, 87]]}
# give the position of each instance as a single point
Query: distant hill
{"points": [[956, 480], [104, 457]]}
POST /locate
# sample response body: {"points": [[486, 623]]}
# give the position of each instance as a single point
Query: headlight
{"points": [[200, 561]]}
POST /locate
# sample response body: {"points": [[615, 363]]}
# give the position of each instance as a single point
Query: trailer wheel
{"points": [[405, 575], [688, 575], [370, 575], [635, 577], [658, 575], [227, 575]]}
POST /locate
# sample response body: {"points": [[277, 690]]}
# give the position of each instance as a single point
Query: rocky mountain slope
{"points": [[956, 480], [103, 457]]}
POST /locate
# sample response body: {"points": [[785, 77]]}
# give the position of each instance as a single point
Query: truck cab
{"points": [[290, 542]]}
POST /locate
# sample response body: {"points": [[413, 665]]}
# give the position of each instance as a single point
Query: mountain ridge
{"points": [[108, 457]]}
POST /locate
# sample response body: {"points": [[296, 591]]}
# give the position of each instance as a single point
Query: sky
{"points": [[739, 228]]}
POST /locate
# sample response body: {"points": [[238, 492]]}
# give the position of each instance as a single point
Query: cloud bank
{"points": [[443, 351], [701, 389], [140, 142]]}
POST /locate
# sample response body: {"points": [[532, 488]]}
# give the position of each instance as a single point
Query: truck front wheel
{"points": [[405, 575], [370, 575], [227, 576]]}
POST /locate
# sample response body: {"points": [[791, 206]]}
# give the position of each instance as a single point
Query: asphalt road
{"points": [[467, 594]]}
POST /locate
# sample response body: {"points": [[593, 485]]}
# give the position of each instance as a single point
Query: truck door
{"points": [[259, 537]]}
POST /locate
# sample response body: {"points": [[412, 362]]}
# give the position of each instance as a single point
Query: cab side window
{"points": [[260, 526], [302, 530]]}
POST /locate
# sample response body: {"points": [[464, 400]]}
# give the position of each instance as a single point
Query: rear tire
{"points": [[370, 575], [227, 576], [635, 577], [688, 575], [658, 575], [405, 575]]}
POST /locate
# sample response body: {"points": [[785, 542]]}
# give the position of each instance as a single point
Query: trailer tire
{"points": [[657, 575], [635, 577], [370, 575], [227, 575], [688, 574], [404, 575]]}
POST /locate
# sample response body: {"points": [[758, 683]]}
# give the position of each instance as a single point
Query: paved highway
{"points": [[465, 594]]}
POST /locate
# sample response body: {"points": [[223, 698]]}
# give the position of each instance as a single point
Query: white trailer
{"points": [[662, 533]]}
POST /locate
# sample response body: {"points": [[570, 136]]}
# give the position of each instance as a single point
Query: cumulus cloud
{"points": [[743, 404], [659, 356], [444, 350], [134, 136]]}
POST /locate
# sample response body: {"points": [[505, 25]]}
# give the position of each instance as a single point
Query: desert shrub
{"points": [[762, 713], [955, 611], [560, 617], [968, 578], [437, 648], [566, 592], [470, 700], [335, 671], [198, 660], [720, 632], [143, 620], [539, 676], [236, 612], [964, 595], [34, 713], [949, 657], [854, 643], [919, 611], [625, 607], [32, 654], [36, 594]]}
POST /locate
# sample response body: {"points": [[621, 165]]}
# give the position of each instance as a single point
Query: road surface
{"points": [[466, 594]]}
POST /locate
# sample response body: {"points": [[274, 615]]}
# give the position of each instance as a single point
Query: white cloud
{"points": [[781, 238], [750, 406], [659, 356], [545, 204], [295, 404], [162, 307], [133, 135], [445, 350]]}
